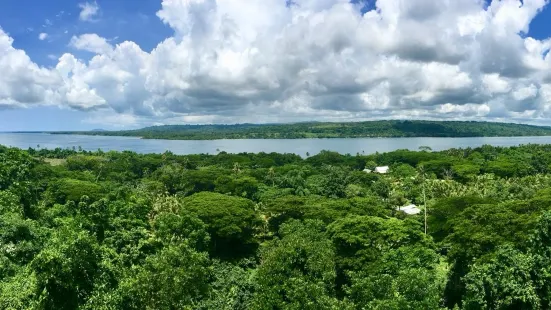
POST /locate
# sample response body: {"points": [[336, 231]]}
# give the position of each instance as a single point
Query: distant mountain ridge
{"points": [[388, 128]]}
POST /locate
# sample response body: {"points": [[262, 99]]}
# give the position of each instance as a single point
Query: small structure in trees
{"points": [[410, 209], [382, 170]]}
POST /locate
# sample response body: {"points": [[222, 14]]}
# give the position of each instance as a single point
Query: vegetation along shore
{"points": [[329, 130]]}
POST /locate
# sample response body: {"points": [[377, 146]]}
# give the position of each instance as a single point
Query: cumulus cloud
{"points": [[88, 10], [42, 36], [268, 60], [22, 82], [91, 42]]}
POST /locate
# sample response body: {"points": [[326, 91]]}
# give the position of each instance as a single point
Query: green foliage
{"points": [[382, 187], [361, 240], [408, 289], [171, 223], [19, 291], [120, 230], [64, 190], [298, 270], [175, 278], [9, 203], [20, 239], [66, 268], [443, 212], [465, 171], [502, 283], [15, 168], [392, 128], [238, 186], [232, 288], [403, 171], [231, 222]]}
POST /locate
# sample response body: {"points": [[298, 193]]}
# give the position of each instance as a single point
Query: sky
{"points": [[124, 64]]}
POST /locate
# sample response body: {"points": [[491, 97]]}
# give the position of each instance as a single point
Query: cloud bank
{"points": [[274, 60]]}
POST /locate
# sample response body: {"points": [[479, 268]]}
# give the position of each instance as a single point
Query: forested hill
{"points": [[392, 128]]}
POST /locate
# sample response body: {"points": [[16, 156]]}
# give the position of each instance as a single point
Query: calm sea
{"points": [[297, 146]]}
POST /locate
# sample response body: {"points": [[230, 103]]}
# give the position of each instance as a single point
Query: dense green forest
{"points": [[331, 130], [120, 230]]}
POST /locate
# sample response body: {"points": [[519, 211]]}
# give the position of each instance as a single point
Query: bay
{"points": [[297, 146]]}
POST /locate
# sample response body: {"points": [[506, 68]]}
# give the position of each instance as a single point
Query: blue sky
{"points": [[118, 20], [136, 21]]}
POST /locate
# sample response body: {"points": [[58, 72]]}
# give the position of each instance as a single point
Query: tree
{"points": [[371, 165], [231, 222], [296, 180], [15, 168], [171, 223], [403, 171], [232, 287], [9, 203], [444, 211], [540, 250], [19, 291], [243, 186], [382, 187], [64, 190], [362, 240], [66, 268], [20, 239], [504, 282], [298, 270], [477, 232], [410, 288], [176, 277]]}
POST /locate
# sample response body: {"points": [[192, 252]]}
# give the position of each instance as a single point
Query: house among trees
{"points": [[382, 170], [410, 209]]}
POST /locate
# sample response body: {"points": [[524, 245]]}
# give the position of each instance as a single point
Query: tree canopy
{"points": [[121, 230]]}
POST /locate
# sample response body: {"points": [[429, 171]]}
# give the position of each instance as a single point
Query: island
{"points": [[367, 129]]}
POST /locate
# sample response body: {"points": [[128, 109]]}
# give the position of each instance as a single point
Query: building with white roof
{"points": [[409, 209]]}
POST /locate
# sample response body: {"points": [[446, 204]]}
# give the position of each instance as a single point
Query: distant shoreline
{"points": [[327, 130]]}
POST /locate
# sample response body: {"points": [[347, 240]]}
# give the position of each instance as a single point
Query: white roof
{"points": [[409, 209], [383, 169], [367, 171]]}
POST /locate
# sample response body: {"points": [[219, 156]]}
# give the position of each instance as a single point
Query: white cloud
{"points": [[88, 10], [91, 42], [495, 84], [22, 82], [525, 92], [42, 36], [260, 60]]}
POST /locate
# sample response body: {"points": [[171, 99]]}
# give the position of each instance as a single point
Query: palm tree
{"points": [[271, 175], [448, 174], [236, 168]]}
